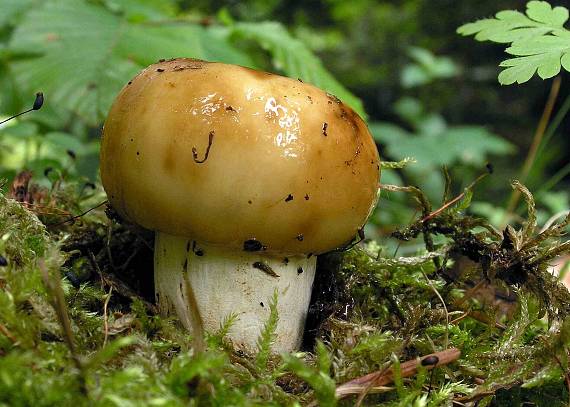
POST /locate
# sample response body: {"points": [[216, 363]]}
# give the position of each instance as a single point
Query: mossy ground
{"points": [[78, 325]]}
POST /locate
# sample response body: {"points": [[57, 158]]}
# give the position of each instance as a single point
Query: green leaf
{"points": [[60, 142], [427, 68], [145, 44], [473, 144], [77, 39], [538, 40], [543, 12], [295, 59], [387, 133], [88, 53], [467, 144], [11, 9], [506, 27], [143, 10], [519, 70]]}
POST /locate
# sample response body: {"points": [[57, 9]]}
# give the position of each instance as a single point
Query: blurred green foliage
{"points": [[367, 44], [539, 41], [428, 94], [80, 53]]}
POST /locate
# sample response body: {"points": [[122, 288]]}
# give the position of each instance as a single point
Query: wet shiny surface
{"points": [[274, 170]]}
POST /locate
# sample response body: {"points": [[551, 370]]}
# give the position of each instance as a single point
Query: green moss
{"points": [[382, 311]]}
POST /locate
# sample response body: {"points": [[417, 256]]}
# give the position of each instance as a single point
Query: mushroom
{"points": [[245, 177]]}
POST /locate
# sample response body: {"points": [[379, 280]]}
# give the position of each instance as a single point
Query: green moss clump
{"points": [[78, 327]]}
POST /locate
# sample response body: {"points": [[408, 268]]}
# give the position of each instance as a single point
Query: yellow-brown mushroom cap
{"points": [[225, 154]]}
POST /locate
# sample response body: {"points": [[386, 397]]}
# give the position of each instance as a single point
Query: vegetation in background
{"points": [[538, 40], [80, 53], [77, 322]]}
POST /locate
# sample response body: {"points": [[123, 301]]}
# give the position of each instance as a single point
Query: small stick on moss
{"points": [[460, 318], [8, 334], [57, 300], [105, 316], [456, 199], [386, 376], [370, 385]]}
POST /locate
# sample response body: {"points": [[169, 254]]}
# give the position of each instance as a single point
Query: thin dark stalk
{"points": [[38, 103], [16, 115], [72, 218]]}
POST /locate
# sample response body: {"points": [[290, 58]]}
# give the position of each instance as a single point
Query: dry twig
{"points": [[4, 331], [376, 381], [57, 300], [105, 316]]}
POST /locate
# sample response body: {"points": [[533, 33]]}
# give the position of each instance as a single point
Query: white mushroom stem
{"points": [[237, 282]]}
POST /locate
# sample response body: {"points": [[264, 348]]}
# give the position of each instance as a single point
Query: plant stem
{"points": [[536, 141], [560, 115]]}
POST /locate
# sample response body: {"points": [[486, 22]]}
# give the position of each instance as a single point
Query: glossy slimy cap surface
{"points": [[235, 157]]}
